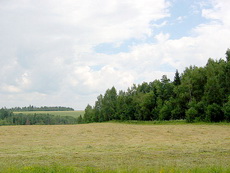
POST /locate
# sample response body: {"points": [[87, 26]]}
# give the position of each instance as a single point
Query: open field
{"points": [[114, 146], [61, 113]]}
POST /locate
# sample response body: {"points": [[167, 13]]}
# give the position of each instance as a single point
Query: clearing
{"points": [[74, 114], [116, 146]]}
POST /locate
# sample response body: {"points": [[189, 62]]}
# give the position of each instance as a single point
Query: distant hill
{"points": [[43, 108]]}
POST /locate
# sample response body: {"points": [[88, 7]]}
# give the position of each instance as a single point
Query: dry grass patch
{"points": [[113, 145]]}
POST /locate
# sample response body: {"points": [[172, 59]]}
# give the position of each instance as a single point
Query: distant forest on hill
{"points": [[197, 94], [7, 117], [43, 108]]}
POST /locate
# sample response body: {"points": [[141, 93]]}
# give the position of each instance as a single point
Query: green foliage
{"points": [[4, 122], [8, 118], [177, 79], [176, 112], [109, 104], [43, 108], [89, 113], [191, 114], [165, 112], [214, 113], [198, 94], [74, 114], [4, 113], [213, 89], [80, 120], [226, 110], [228, 55], [201, 109]]}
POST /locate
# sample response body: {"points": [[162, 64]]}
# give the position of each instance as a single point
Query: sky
{"points": [[66, 53]]}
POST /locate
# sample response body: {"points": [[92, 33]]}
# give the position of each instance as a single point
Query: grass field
{"points": [[61, 113], [115, 146]]}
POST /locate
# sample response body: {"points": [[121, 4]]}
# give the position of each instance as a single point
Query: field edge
{"points": [[69, 169]]}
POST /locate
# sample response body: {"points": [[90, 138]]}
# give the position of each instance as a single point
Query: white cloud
{"points": [[181, 18], [208, 40], [162, 37], [220, 12], [10, 89], [47, 47]]}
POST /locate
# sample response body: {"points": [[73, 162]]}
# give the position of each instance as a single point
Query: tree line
{"points": [[198, 94], [43, 108], [9, 118]]}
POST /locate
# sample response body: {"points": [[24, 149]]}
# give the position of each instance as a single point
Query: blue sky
{"points": [[66, 53], [183, 16]]}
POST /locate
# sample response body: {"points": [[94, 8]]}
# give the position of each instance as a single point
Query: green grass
{"points": [[115, 147], [65, 169], [61, 113], [170, 122]]}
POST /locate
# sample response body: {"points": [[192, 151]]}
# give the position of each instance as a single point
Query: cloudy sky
{"points": [[66, 53]]}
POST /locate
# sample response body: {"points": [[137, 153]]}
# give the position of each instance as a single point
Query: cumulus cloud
{"points": [[47, 50]]}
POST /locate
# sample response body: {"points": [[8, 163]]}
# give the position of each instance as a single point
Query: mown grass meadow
{"points": [[115, 147], [74, 114]]}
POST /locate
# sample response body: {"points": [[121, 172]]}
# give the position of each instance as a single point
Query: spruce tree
{"points": [[177, 78], [228, 55]]}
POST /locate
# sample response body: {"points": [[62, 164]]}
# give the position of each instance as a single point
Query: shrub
{"points": [[226, 110], [165, 112], [191, 114], [214, 113]]}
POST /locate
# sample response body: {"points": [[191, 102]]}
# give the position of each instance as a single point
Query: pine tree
{"points": [[177, 78], [228, 55]]}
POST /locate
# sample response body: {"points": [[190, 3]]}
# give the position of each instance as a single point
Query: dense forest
{"points": [[198, 94], [43, 108], [9, 118]]}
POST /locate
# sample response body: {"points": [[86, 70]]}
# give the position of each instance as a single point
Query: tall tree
{"points": [[88, 117], [177, 78], [213, 90], [226, 110], [110, 104], [228, 55], [98, 109]]}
